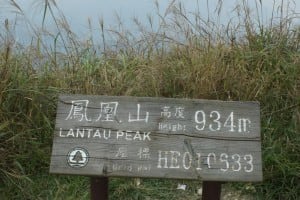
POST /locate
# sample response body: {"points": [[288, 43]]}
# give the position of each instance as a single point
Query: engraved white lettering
{"points": [[144, 153], [162, 158], [86, 133], [147, 136], [138, 119], [122, 167], [208, 159], [178, 160], [179, 112], [80, 133], [133, 135], [189, 163], [108, 111], [224, 158], [122, 152], [108, 134], [174, 159], [243, 125], [236, 158], [128, 136], [229, 123], [145, 167], [214, 122], [78, 110], [199, 161], [60, 133], [120, 134], [70, 133], [249, 159], [166, 113], [215, 115], [137, 136], [171, 127], [201, 122], [97, 134]]}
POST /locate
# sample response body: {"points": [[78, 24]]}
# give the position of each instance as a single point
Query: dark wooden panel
{"points": [[157, 137]]}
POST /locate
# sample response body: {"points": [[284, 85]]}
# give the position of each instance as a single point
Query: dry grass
{"points": [[187, 56]]}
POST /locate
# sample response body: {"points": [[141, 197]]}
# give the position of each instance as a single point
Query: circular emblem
{"points": [[78, 157]]}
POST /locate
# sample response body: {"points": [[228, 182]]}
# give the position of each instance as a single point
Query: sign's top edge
{"points": [[152, 98]]}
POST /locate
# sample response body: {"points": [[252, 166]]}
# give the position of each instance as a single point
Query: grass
{"points": [[188, 56]]}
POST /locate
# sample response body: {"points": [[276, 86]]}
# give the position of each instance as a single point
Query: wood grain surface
{"points": [[157, 137]]}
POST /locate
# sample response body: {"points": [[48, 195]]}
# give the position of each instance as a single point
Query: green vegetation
{"points": [[246, 60]]}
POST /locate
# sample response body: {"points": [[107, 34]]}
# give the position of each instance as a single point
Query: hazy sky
{"points": [[77, 12]]}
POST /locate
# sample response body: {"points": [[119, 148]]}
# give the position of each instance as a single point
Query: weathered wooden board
{"points": [[157, 137]]}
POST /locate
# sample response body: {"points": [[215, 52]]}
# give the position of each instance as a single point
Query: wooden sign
{"points": [[157, 137]]}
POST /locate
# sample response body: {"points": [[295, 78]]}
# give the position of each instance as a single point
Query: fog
{"points": [[84, 17]]}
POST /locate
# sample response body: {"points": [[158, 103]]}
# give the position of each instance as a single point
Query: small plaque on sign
{"points": [[78, 157]]}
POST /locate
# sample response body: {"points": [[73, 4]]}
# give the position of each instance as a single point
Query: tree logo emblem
{"points": [[78, 157]]}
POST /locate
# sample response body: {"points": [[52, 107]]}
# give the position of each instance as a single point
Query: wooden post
{"points": [[99, 188], [211, 190]]}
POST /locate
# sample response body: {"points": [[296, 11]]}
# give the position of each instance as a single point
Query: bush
{"points": [[245, 61]]}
